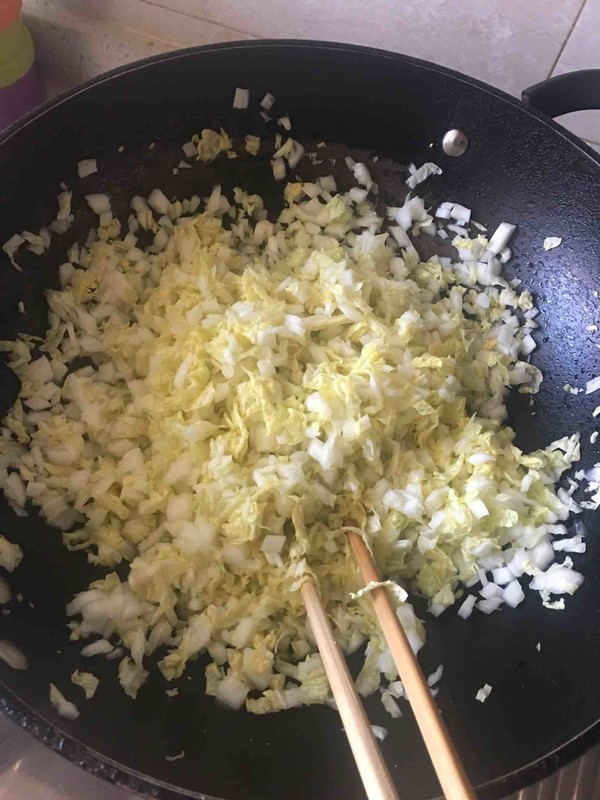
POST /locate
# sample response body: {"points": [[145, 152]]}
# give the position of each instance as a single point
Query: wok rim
{"points": [[50, 733]]}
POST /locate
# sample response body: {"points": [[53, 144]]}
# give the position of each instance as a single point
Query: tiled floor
{"points": [[508, 43]]}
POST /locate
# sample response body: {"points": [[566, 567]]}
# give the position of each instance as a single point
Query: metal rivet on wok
{"points": [[455, 142]]}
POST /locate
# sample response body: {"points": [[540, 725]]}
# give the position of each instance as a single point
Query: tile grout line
{"points": [[75, 18], [567, 37], [144, 34], [204, 19]]}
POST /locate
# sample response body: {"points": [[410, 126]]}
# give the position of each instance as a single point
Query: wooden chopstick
{"points": [[448, 766], [373, 771]]}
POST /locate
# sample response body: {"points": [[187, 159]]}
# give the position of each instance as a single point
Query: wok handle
{"points": [[573, 91]]}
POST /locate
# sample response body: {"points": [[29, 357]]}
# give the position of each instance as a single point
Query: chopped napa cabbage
{"points": [[177, 757], [207, 416], [131, 676], [483, 693], [11, 554], [399, 593], [550, 242], [87, 681], [422, 173], [210, 143], [64, 707], [379, 732]]}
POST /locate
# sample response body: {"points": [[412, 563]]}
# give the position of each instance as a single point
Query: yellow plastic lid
{"points": [[16, 53]]}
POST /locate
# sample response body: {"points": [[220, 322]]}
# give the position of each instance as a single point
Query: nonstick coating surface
{"points": [[545, 706]]}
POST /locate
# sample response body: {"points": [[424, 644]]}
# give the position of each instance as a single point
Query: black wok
{"points": [[520, 167]]}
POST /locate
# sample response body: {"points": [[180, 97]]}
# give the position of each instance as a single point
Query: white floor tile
{"points": [[508, 43], [72, 47], [582, 52], [152, 20], [586, 124]]}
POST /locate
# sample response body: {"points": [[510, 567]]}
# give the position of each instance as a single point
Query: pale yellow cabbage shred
{"points": [[256, 379], [87, 681]]}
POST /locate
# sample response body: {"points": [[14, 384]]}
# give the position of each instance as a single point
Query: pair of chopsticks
{"points": [[373, 770]]}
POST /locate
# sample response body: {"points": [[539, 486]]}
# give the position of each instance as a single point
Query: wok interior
{"points": [[517, 169]]}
